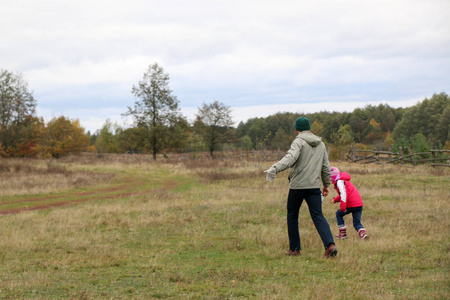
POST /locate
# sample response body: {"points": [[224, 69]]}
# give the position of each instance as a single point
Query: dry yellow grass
{"points": [[28, 176], [224, 236]]}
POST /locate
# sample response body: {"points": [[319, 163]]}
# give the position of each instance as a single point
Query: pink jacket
{"points": [[348, 193]]}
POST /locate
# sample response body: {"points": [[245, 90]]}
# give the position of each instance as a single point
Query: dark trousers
{"points": [[356, 213], [313, 198]]}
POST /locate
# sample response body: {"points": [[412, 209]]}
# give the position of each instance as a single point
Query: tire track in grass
{"points": [[87, 193], [125, 189]]}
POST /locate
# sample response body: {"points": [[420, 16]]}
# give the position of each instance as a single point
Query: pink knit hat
{"points": [[334, 174]]}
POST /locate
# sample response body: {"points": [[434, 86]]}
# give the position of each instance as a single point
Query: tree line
{"points": [[160, 128], [420, 127]]}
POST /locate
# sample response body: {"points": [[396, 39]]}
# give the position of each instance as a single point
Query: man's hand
{"points": [[271, 174], [325, 191]]}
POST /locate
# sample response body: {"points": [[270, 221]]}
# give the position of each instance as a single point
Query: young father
{"points": [[310, 170]]}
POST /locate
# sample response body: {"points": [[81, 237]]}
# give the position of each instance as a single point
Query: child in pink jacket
{"points": [[350, 202]]}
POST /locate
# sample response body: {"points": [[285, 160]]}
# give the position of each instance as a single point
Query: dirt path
{"points": [[125, 189]]}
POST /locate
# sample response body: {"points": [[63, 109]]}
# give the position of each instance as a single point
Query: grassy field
{"points": [[125, 227]]}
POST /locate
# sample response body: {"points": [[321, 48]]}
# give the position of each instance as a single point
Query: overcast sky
{"points": [[81, 58]]}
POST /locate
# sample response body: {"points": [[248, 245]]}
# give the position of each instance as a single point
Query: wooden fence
{"points": [[404, 156], [240, 155]]}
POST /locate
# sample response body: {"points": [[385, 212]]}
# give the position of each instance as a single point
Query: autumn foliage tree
{"points": [[28, 136], [62, 136], [373, 132]]}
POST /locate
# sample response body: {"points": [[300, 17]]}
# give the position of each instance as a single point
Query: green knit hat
{"points": [[302, 124]]}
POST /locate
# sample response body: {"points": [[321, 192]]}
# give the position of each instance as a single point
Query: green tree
{"points": [[443, 126], [245, 143], [241, 130], [196, 142], [17, 108], [284, 121], [342, 140], [408, 126], [156, 109], [107, 140], [257, 131], [331, 126], [132, 139], [180, 130], [317, 128], [429, 117], [420, 144], [282, 140], [358, 123], [213, 122], [387, 121]]}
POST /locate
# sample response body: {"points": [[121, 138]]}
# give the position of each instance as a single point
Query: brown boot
{"points": [[342, 233], [295, 252], [330, 251]]}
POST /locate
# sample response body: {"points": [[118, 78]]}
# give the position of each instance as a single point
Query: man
{"points": [[310, 169]]}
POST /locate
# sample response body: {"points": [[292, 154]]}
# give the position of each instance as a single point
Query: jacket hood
{"points": [[310, 138], [345, 176]]}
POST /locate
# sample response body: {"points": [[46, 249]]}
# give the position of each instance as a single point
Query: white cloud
{"points": [[90, 119], [244, 53], [90, 72]]}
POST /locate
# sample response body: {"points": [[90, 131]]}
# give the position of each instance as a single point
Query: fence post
{"points": [[411, 156], [433, 155], [354, 153], [400, 151]]}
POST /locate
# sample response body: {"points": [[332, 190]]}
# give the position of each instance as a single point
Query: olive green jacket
{"points": [[308, 160]]}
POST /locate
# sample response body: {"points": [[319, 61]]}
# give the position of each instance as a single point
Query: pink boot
{"points": [[342, 233], [362, 234]]}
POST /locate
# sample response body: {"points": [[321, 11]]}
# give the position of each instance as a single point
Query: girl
{"points": [[350, 201]]}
